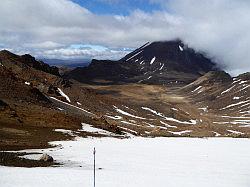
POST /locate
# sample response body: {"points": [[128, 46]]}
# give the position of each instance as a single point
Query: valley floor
{"points": [[155, 110], [140, 162]]}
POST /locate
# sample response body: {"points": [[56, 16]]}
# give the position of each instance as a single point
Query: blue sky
{"points": [[118, 7], [115, 7]]}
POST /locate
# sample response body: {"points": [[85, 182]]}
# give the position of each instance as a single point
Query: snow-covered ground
{"points": [[141, 162]]}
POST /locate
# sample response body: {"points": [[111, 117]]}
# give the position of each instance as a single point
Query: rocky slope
{"points": [[33, 103], [227, 99]]}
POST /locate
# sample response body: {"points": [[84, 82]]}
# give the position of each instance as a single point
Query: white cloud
{"points": [[80, 53], [218, 27], [50, 27], [43, 45], [41, 25]]}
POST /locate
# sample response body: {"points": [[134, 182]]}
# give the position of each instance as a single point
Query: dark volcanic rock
{"points": [[3, 104], [155, 63], [39, 65], [26, 60], [174, 55], [106, 70]]}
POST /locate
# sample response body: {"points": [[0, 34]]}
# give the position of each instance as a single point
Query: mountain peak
{"points": [[157, 63], [7, 54], [175, 55], [11, 60]]}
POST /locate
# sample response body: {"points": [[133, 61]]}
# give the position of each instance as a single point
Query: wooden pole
{"points": [[94, 165]]}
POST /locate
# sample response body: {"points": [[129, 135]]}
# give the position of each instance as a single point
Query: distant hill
{"points": [[70, 63]]}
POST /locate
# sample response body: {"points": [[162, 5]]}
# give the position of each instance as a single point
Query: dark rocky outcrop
{"points": [[39, 65], [7, 58]]}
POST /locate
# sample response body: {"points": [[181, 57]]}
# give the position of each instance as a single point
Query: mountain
{"points": [[160, 89], [155, 63]]}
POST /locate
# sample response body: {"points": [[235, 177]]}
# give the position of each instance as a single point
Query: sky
{"points": [[109, 29], [118, 7]]}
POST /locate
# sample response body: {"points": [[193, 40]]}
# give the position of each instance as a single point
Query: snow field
{"points": [[141, 162]]}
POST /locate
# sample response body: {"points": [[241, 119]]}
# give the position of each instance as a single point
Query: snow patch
{"points": [[236, 98], [147, 44], [63, 94], [149, 77], [162, 67], [235, 117], [127, 114], [71, 105], [244, 126], [229, 89], [180, 132], [236, 122], [235, 132], [64, 131], [216, 134], [114, 117], [244, 88], [191, 122], [235, 104], [167, 125], [245, 112], [128, 123], [181, 48], [153, 60], [141, 62], [204, 109], [89, 128], [27, 83], [235, 80], [32, 156], [128, 130], [196, 89], [243, 82], [134, 55]]}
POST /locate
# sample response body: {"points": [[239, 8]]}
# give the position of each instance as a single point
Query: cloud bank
{"points": [[218, 27], [49, 28]]}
